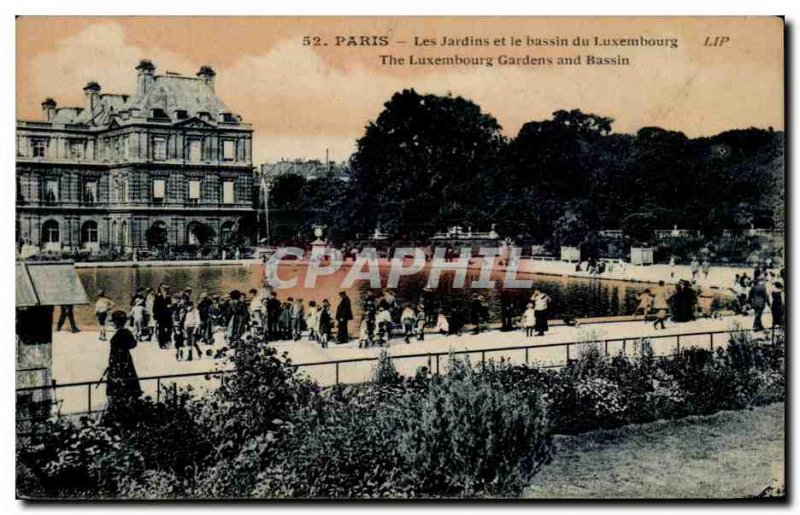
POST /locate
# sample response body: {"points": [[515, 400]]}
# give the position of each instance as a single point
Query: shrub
{"points": [[466, 435]]}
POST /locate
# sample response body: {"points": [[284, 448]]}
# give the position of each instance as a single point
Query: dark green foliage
{"points": [[472, 432], [428, 162]]}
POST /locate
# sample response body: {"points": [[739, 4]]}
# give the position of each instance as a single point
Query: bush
{"points": [[473, 432]]}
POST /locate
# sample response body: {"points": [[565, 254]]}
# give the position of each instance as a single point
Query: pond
{"points": [[574, 297]]}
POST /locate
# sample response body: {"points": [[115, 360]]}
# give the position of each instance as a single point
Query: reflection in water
{"points": [[574, 297]]}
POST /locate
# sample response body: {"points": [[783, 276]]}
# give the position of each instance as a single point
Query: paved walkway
{"points": [[81, 357]]}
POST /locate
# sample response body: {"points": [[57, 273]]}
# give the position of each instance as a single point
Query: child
{"points": [[529, 320], [311, 320], [297, 315], [102, 307], [138, 315], [325, 322], [285, 320], [442, 325], [384, 322], [190, 324], [363, 334], [420, 323], [177, 327], [408, 320]]}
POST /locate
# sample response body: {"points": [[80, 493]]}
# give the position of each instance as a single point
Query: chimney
{"points": [[145, 77], [49, 108], [207, 73], [92, 91]]}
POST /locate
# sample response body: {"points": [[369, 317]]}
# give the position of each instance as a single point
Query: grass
{"points": [[731, 454]]}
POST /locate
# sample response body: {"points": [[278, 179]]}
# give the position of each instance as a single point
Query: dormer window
{"points": [[204, 115], [39, 147], [181, 114], [158, 113]]}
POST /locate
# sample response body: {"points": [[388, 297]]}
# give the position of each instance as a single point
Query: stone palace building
{"points": [[171, 157]]}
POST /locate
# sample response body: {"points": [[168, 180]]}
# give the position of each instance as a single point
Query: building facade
{"points": [[167, 165]]}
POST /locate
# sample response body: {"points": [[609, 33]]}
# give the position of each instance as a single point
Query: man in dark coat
{"points": [[344, 313], [758, 300], [162, 312], [273, 312]]}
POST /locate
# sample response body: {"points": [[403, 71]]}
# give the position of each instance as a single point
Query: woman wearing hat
{"points": [[122, 382]]}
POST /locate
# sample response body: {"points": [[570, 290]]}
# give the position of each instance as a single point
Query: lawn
{"points": [[730, 454]]}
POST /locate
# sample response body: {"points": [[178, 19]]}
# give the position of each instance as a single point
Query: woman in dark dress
{"points": [[777, 305], [122, 383]]}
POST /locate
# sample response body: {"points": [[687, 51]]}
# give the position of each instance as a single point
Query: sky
{"points": [[302, 100]]}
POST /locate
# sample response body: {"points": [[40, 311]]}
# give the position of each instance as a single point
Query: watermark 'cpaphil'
{"points": [[406, 261]]}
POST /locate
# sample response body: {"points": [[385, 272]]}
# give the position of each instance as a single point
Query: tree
{"points": [[421, 164], [639, 227]]}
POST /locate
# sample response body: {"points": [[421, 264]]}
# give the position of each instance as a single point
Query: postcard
{"points": [[349, 258]]}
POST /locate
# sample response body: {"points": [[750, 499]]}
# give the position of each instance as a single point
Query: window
{"points": [[194, 191], [90, 192], [227, 192], [76, 149], [39, 147], [50, 232], [159, 149], [195, 150], [159, 188], [51, 191], [89, 232], [228, 150]]}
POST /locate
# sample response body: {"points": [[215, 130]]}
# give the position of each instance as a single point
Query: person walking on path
{"points": [[122, 382], [138, 317], [706, 268], [660, 305], [529, 320], [758, 300], [477, 313], [325, 323], [407, 320], [102, 307], [645, 304], [777, 305], [672, 266], [297, 315], [273, 313], [541, 302], [204, 329], [239, 318], [344, 313], [162, 312], [191, 329], [695, 266], [67, 314], [421, 320]]}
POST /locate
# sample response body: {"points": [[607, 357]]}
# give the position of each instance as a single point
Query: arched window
{"points": [[89, 232], [124, 234], [50, 232]]}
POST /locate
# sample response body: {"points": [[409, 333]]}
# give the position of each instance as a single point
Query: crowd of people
{"points": [[179, 321], [688, 300]]}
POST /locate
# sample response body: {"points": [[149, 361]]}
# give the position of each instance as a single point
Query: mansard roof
{"points": [[172, 93]]}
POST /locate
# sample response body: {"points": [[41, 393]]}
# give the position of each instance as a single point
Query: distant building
{"points": [[310, 169], [171, 155]]}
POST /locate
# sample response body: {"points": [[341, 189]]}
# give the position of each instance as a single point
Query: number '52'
{"points": [[312, 41]]}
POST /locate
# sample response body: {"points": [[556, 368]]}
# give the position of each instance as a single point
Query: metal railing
{"points": [[433, 360]]}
